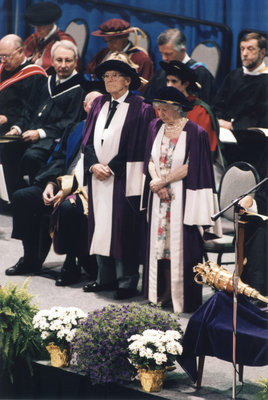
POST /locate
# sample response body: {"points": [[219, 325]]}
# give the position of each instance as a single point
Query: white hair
{"points": [[176, 107], [66, 44]]}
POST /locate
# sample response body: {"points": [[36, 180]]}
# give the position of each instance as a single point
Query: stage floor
{"points": [[217, 376]]}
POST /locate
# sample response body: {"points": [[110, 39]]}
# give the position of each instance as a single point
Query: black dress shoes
{"points": [[70, 273], [96, 287], [66, 279], [124, 293], [22, 268]]}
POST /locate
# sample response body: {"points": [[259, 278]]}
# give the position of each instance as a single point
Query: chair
{"points": [[78, 29], [236, 180], [209, 53], [140, 39]]}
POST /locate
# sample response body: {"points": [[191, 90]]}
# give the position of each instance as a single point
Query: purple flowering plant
{"points": [[100, 345]]}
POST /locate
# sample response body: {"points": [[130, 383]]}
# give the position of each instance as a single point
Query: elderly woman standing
{"points": [[183, 201]]}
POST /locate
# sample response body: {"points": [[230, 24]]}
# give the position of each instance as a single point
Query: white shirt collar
{"points": [[186, 58], [66, 79], [53, 30], [122, 98], [256, 71]]}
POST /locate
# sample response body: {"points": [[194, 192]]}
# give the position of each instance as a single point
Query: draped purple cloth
{"points": [[210, 332]]}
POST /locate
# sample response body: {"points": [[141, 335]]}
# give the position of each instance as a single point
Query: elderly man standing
{"points": [[42, 17], [172, 46], [60, 104], [115, 33], [114, 145]]}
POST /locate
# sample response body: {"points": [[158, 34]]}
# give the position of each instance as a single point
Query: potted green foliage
{"points": [[100, 345], [19, 341]]}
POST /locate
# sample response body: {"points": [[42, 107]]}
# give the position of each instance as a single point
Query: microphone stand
{"points": [[234, 203]]}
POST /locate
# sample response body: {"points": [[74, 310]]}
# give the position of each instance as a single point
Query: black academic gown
{"points": [[255, 270], [203, 76], [243, 98], [21, 96], [58, 109]]}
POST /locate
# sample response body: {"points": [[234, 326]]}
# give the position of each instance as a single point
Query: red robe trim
{"points": [[25, 72]]}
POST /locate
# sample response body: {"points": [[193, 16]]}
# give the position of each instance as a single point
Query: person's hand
{"points": [[12, 132], [163, 194], [225, 124], [156, 184], [48, 194], [30, 136], [3, 119], [101, 172], [246, 202]]}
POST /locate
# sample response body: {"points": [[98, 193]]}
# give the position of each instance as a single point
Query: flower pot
{"points": [[58, 358], [152, 381]]}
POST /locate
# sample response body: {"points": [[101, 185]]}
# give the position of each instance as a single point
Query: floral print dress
{"points": [[163, 245]]}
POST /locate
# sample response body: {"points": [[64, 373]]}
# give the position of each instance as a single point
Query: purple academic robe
{"points": [[117, 227], [195, 201]]}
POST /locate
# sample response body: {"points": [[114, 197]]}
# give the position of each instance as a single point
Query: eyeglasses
{"points": [[7, 56], [113, 76]]}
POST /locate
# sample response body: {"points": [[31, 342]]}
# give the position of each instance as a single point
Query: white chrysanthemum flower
{"points": [[173, 347], [60, 334], [44, 335], [160, 358], [142, 351], [161, 348], [56, 325], [172, 335], [149, 353], [70, 335], [134, 337], [43, 325]]}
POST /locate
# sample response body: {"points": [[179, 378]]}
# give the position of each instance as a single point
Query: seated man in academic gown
{"points": [[20, 83], [172, 46], [42, 17], [114, 145], [242, 102], [60, 104], [32, 207]]}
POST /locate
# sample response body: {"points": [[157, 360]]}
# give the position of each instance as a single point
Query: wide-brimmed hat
{"points": [[43, 13], [113, 27], [183, 72], [124, 68], [171, 95]]}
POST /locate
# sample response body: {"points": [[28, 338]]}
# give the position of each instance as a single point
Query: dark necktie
{"points": [[113, 106]]}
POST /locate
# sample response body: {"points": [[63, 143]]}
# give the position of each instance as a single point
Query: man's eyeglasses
{"points": [[8, 56], [113, 76]]}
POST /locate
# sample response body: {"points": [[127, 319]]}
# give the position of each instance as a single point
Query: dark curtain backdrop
{"points": [[237, 15]]}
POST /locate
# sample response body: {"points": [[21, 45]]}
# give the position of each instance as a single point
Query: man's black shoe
{"points": [[67, 279], [96, 287], [21, 268], [124, 293]]}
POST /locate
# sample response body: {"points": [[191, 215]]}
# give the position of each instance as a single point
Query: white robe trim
{"points": [[3, 187], [134, 181], [176, 227], [200, 205], [106, 144]]}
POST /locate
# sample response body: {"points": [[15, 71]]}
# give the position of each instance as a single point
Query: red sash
{"points": [[25, 72]]}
